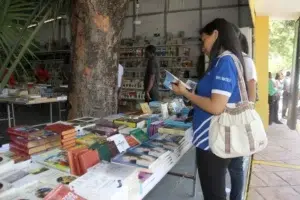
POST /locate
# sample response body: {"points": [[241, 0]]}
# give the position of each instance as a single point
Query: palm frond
{"points": [[16, 38]]}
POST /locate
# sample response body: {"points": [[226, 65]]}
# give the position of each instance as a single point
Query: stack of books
{"points": [[66, 132], [80, 159], [27, 141]]}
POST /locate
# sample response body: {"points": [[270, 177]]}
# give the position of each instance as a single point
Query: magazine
{"points": [[55, 158], [147, 149], [171, 79], [135, 159]]}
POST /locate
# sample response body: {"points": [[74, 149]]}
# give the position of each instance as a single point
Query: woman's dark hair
{"points": [[151, 49], [244, 43], [227, 39], [277, 76]]}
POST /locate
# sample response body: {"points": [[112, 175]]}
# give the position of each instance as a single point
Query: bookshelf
{"points": [[175, 55]]}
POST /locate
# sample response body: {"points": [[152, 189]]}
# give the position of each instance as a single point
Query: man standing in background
{"points": [[286, 93], [151, 79]]}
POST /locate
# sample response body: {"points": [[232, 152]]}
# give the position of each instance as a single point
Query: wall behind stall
{"points": [[183, 15], [171, 16]]}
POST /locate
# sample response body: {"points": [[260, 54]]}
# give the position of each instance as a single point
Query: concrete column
{"points": [[261, 55]]}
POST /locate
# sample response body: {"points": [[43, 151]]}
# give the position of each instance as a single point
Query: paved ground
{"points": [[276, 170]]}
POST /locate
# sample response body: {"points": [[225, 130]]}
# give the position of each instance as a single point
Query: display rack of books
{"points": [[119, 157], [177, 55]]}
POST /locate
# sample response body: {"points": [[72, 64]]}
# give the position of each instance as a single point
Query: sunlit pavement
{"points": [[276, 170]]}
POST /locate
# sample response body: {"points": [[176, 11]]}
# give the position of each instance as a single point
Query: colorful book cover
{"points": [[146, 149], [25, 131], [192, 84], [170, 129], [35, 172], [131, 141], [113, 148], [89, 139], [170, 79], [165, 144], [126, 131], [48, 136], [178, 122], [145, 108], [139, 135], [103, 151], [106, 123], [120, 142], [38, 149], [62, 192], [103, 131], [134, 159], [143, 176], [60, 128], [56, 158], [132, 123]]}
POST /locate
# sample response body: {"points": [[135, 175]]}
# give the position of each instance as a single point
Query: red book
{"points": [[62, 192], [131, 141], [88, 159], [62, 129], [73, 160]]}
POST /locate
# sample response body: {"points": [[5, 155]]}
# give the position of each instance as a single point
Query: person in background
{"points": [[286, 93], [217, 87], [151, 79], [11, 81], [279, 87], [273, 100], [41, 74], [236, 168]]}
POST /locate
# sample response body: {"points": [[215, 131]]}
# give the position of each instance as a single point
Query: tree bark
{"points": [[96, 32]]}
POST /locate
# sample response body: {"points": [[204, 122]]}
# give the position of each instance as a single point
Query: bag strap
{"points": [[241, 80]]}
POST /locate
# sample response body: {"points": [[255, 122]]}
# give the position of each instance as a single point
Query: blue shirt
{"points": [[221, 79]]}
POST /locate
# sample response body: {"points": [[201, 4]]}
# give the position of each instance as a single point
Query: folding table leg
{"points": [[195, 178], [13, 114], [51, 113], [8, 115], [59, 111]]}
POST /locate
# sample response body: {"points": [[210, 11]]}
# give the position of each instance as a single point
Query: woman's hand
{"points": [[179, 88]]}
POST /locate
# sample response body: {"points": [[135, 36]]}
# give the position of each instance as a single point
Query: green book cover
{"points": [[103, 151], [139, 135]]}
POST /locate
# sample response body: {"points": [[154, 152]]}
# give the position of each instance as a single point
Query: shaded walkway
{"points": [[276, 170]]}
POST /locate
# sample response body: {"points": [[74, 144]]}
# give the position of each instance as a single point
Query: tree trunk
{"points": [[96, 32]]}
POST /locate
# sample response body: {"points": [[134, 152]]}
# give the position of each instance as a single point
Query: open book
{"points": [[170, 79]]}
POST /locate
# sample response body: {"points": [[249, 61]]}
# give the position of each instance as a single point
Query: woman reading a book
{"points": [[217, 87]]}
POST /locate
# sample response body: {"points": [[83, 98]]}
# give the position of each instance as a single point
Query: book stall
{"points": [[121, 156], [36, 94]]}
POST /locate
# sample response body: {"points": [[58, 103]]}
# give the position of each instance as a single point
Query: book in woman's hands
{"points": [[171, 79]]}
